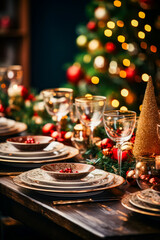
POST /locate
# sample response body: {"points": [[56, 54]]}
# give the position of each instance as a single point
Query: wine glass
{"points": [[58, 103], [90, 112], [119, 126]]}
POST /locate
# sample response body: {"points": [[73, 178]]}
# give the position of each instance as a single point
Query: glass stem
{"points": [[91, 136], [119, 155], [58, 127]]}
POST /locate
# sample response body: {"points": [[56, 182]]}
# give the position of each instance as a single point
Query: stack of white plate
{"points": [[10, 127], [145, 202], [94, 183], [55, 151]]}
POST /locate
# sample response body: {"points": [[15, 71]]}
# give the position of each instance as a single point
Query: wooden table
{"points": [[107, 220]]}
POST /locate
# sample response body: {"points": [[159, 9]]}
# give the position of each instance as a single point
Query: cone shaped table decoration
{"points": [[146, 141]]}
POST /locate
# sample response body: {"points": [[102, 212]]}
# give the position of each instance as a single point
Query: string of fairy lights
{"points": [[128, 67]]}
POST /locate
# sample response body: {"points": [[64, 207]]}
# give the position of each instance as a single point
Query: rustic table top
{"points": [[106, 220]]}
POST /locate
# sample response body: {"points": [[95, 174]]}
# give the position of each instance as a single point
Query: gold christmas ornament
{"points": [[146, 141], [101, 13]]}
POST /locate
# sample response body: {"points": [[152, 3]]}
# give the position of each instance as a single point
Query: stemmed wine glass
{"points": [[90, 111], [119, 126], [58, 103]]}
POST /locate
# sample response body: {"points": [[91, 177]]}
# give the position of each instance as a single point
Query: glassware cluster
{"points": [[90, 110]]}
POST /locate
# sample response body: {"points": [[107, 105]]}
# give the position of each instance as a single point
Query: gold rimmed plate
{"points": [[126, 203], [118, 180], [107, 181], [149, 196], [37, 175], [142, 205], [72, 152], [9, 151]]}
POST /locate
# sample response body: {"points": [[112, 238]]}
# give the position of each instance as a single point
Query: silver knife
{"points": [[89, 200]]}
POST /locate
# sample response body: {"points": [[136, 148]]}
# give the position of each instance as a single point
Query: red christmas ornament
{"points": [[106, 143], [110, 47], [91, 25], [74, 74], [1, 108], [124, 154], [24, 92], [130, 73], [48, 128], [31, 97]]}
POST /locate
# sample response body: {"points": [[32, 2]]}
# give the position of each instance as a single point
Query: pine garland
{"points": [[107, 163]]}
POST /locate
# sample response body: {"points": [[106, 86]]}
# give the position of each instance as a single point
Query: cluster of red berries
{"points": [[30, 140], [67, 170]]}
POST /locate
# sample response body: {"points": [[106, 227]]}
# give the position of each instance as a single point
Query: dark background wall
{"points": [[53, 35]]}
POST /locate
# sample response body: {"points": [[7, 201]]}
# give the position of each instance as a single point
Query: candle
{"points": [[157, 162]]}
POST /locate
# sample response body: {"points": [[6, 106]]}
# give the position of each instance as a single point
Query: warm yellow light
{"points": [[122, 74], [115, 103], [125, 46], [123, 108], [81, 40], [95, 80], [141, 14], [87, 58], [144, 45], [111, 24], [113, 67], [88, 95], [108, 33], [124, 92], [121, 38], [126, 62], [145, 77], [141, 34], [131, 47], [153, 48], [99, 62], [140, 108], [134, 23], [120, 23], [94, 45], [117, 3], [147, 27]]}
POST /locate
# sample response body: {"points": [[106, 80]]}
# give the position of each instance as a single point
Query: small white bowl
{"points": [[41, 142], [79, 170]]}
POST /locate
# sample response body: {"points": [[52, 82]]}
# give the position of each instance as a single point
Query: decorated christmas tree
{"points": [[118, 51]]}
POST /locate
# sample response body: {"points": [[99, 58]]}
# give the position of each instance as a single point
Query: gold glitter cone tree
{"points": [[146, 141]]}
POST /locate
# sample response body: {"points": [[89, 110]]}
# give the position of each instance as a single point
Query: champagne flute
{"points": [[119, 126], [90, 112], [58, 103]]}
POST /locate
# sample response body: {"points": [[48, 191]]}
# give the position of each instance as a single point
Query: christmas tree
{"points": [[118, 52]]}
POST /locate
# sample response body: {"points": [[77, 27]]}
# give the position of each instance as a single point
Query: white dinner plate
{"points": [[107, 181], [142, 205], [37, 163], [55, 154], [149, 196], [126, 203], [37, 175], [9, 150], [118, 180]]}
